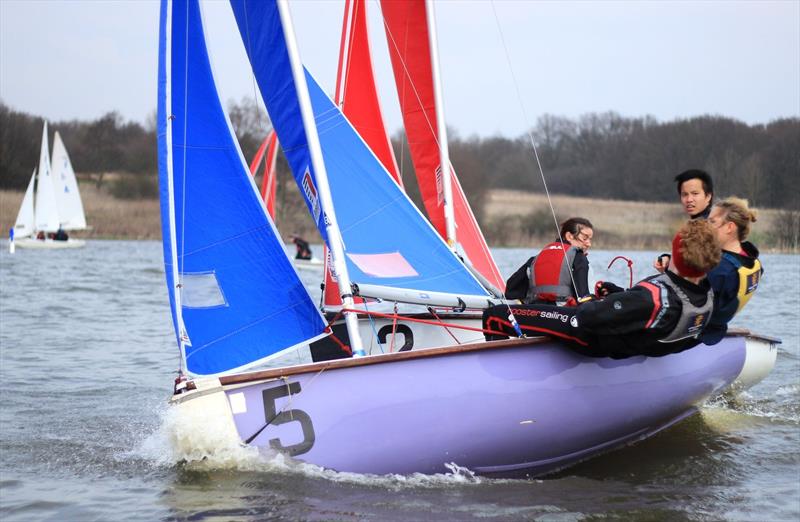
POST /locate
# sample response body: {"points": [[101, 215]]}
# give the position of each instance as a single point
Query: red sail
{"points": [[357, 96], [409, 48], [270, 146]]}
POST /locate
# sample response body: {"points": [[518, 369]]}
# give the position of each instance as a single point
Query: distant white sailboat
{"points": [[52, 202]]}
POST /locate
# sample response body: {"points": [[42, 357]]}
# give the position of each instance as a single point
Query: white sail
{"points": [[23, 226], [68, 198], [46, 212]]}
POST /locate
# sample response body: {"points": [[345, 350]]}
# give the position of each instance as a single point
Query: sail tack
{"points": [[235, 296]]}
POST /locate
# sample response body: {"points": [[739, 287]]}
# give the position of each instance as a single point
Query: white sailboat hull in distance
{"points": [[48, 244]]}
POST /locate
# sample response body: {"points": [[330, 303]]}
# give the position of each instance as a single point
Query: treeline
{"points": [[609, 156], [598, 155]]}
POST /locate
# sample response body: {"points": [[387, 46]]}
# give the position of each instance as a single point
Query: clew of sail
{"points": [[406, 26], [236, 298], [68, 198], [45, 209], [391, 250], [23, 226]]}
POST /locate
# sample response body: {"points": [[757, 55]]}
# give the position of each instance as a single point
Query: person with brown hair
{"points": [[736, 278], [662, 314], [559, 273]]}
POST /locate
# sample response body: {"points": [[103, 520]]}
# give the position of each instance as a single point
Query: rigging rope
{"points": [[526, 121]]}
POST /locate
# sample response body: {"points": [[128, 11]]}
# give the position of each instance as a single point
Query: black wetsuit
{"points": [[303, 249], [627, 323]]}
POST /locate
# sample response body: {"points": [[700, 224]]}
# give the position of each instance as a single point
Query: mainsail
{"points": [[45, 210], [409, 47], [391, 250], [68, 198], [236, 298]]}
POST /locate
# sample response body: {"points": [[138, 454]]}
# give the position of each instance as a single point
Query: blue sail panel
{"points": [[241, 299], [387, 242]]}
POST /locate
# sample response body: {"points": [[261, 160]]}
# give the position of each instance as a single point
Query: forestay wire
{"points": [[530, 137]]}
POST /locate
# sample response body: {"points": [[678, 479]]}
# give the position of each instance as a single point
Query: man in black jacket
{"points": [[660, 315]]}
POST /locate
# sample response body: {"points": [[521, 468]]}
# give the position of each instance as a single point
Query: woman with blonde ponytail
{"points": [[737, 276]]}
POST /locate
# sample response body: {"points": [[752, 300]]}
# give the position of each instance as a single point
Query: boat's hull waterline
{"points": [[504, 408], [47, 244]]}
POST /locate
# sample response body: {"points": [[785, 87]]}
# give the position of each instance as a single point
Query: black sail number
{"points": [[275, 418]]}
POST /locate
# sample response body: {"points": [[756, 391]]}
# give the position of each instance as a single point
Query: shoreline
{"points": [[512, 220]]}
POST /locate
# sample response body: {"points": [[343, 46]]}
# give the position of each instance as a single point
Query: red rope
{"points": [[444, 326], [416, 320], [630, 267]]}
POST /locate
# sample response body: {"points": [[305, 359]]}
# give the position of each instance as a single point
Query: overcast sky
{"points": [[70, 59]]}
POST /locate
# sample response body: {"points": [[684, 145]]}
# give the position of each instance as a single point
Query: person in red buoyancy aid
{"points": [[546, 277], [665, 313]]}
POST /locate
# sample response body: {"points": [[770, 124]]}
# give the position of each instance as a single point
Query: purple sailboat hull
{"points": [[496, 408]]}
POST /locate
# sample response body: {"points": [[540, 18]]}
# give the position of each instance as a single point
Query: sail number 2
{"points": [[275, 418]]}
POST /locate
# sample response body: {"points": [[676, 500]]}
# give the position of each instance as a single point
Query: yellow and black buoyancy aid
{"points": [[749, 277]]}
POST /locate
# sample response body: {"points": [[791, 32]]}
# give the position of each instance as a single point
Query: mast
{"points": [[444, 152], [176, 279], [315, 150]]}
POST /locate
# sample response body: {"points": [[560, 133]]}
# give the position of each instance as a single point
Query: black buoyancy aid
{"points": [[550, 273], [692, 319], [749, 278]]}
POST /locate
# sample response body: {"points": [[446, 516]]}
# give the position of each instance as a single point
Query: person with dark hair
{"points": [[696, 190], [736, 278], [560, 272], [662, 314], [61, 235], [303, 248]]}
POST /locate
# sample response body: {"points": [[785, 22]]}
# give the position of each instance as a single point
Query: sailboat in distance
{"points": [[52, 202], [525, 405]]}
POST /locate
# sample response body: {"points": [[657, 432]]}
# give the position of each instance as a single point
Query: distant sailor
{"points": [[662, 314], [303, 248], [546, 278], [61, 235]]}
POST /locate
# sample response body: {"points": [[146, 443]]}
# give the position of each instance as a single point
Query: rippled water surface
{"points": [[87, 359]]}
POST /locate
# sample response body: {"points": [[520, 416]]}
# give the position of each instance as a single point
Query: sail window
{"points": [[201, 290], [391, 264]]}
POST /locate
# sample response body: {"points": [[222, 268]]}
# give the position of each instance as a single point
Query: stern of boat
{"points": [[760, 355]]}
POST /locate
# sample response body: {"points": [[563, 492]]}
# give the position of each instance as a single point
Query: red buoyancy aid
{"points": [[550, 273]]}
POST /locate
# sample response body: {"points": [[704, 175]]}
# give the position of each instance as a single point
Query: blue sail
{"points": [[387, 242], [240, 298]]}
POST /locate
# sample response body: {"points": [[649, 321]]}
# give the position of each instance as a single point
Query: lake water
{"points": [[87, 359]]}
